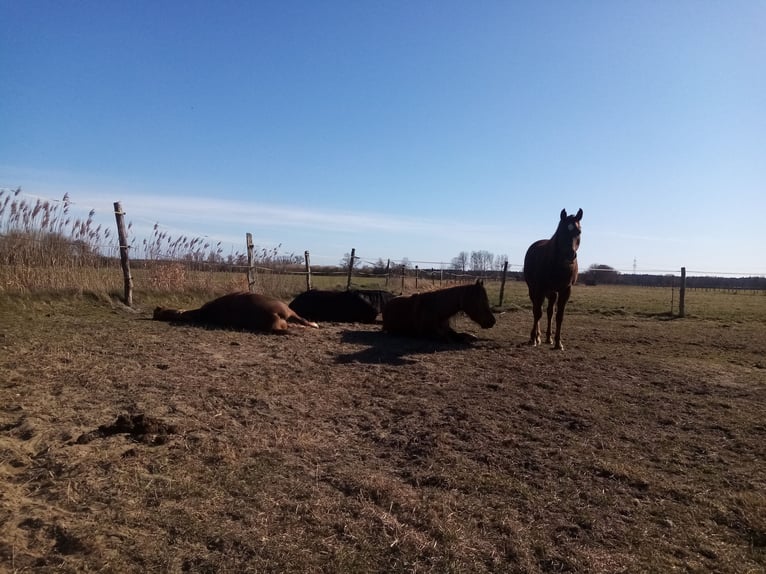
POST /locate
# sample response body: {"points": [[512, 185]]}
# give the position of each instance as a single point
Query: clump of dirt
{"points": [[140, 427]]}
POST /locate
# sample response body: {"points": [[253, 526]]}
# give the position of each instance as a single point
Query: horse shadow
{"points": [[213, 327], [383, 348]]}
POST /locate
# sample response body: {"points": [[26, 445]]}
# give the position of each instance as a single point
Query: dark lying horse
{"points": [[335, 306], [550, 270], [378, 298], [428, 314], [248, 311]]}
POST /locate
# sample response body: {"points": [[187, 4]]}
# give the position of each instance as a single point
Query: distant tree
{"points": [[379, 267], [346, 259], [459, 263], [598, 273], [481, 261], [406, 263]]}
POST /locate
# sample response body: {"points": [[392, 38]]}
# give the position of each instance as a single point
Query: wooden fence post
{"points": [[250, 265], [308, 270], [388, 270], [351, 260], [122, 236], [403, 269], [502, 283], [417, 271], [682, 294]]}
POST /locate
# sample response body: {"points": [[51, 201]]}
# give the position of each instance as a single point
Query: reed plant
{"points": [[46, 247]]}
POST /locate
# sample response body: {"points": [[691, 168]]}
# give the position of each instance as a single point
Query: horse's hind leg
{"points": [[278, 325], [537, 313]]}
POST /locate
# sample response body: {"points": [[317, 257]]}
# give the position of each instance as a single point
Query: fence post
{"points": [[308, 270], [388, 271], [682, 294], [403, 268], [350, 267], [417, 272], [250, 266], [502, 283], [122, 236]]}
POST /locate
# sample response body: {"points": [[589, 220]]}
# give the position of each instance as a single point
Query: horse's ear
{"points": [[563, 214], [480, 282], [578, 217]]}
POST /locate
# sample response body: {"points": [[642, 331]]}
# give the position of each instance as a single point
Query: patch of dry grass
{"points": [[640, 448]]}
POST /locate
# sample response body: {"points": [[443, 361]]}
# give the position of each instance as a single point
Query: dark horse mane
{"points": [[550, 270], [428, 314]]}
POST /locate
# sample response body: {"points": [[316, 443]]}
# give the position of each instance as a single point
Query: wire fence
{"points": [[38, 232]]}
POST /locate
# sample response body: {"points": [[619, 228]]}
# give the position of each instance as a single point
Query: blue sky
{"points": [[413, 129]]}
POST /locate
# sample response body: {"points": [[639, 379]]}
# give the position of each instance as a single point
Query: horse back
{"points": [[542, 272], [336, 306], [237, 310], [398, 315]]}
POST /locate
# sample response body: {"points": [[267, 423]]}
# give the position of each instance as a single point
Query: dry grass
{"points": [[128, 445], [638, 449], [45, 247]]}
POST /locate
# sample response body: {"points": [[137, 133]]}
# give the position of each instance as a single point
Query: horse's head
{"points": [[476, 305], [167, 314], [568, 235]]}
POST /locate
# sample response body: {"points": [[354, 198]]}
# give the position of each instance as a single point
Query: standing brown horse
{"points": [[428, 314], [550, 270]]}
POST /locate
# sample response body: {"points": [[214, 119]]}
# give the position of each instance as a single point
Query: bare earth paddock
{"points": [[128, 445]]}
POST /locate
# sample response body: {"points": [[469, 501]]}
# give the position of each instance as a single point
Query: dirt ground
{"points": [[129, 445]]}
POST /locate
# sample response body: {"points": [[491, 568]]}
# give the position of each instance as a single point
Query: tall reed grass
{"points": [[46, 247]]}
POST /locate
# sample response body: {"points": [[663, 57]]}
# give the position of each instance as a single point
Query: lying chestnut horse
{"points": [[428, 314], [247, 311]]}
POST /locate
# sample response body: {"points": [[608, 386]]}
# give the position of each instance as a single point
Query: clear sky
{"points": [[414, 129]]}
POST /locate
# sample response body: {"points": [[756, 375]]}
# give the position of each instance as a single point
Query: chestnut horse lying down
{"points": [[428, 314], [247, 311]]}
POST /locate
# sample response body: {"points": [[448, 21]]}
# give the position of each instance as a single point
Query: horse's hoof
{"points": [[558, 347]]}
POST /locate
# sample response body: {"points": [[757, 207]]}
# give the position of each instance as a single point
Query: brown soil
{"points": [[129, 445]]}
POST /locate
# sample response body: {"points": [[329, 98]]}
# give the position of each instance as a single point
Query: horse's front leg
{"points": [[452, 336], [551, 307], [443, 331], [560, 318]]}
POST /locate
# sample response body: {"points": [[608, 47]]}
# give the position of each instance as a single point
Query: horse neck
{"points": [[558, 246], [453, 299], [465, 293], [191, 316]]}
